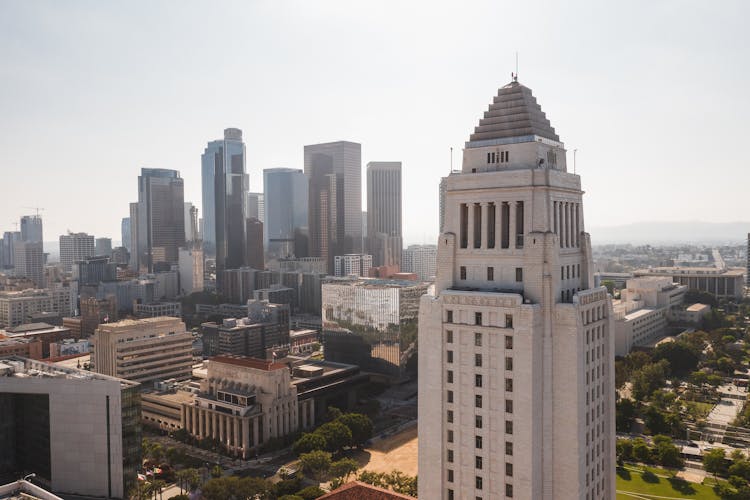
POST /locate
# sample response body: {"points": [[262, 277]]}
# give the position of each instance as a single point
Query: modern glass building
{"points": [[31, 228], [371, 323], [286, 199], [161, 219], [225, 187]]}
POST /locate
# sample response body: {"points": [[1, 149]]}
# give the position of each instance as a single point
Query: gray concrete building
{"points": [[75, 247], [286, 205], [78, 431], [384, 232], [161, 218]]}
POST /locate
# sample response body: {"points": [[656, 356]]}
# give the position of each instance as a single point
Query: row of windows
{"points": [[478, 361], [477, 320], [498, 157], [478, 485], [477, 211], [477, 340], [490, 274]]}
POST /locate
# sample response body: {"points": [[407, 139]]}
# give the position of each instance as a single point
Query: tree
{"points": [[336, 434], [699, 378], [217, 471], [624, 414], [309, 441], [622, 373], [667, 453], [360, 426], [714, 462], [332, 413], [288, 486], [291, 497], [310, 493], [316, 463], [625, 449], [682, 357], [610, 286], [641, 451], [740, 468], [235, 488], [344, 468]]}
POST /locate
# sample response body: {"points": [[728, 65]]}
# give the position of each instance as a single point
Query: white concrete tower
{"points": [[516, 347]]}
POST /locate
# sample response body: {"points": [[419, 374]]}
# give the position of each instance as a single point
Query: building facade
{"points": [[161, 218], [32, 228], [384, 232], [225, 186], [371, 323], [420, 260], [29, 261], [78, 431], [352, 264], [75, 247], [516, 349], [18, 307], [334, 171], [143, 350], [286, 200], [728, 283]]}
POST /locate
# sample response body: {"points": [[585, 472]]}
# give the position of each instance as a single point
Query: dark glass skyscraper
{"points": [[225, 187], [384, 212], [161, 220], [334, 170], [286, 210]]}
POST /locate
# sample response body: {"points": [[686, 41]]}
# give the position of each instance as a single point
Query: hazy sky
{"points": [[653, 94]]}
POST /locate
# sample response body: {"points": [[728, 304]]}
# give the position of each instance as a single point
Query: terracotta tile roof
{"points": [[357, 490]]}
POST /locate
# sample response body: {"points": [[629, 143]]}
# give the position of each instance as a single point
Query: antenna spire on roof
{"points": [[515, 75]]}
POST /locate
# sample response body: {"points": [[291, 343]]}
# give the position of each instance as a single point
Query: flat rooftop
{"points": [[18, 367], [697, 271]]}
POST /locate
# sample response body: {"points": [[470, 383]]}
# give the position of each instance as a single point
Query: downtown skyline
{"points": [[605, 72]]}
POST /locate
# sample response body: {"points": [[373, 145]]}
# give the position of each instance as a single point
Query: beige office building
{"points": [[17, 308], [244, 402], [721, 281], [516, 346], [143, 350]]}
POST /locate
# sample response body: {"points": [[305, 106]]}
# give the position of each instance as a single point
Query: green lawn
{"points": [[643, 485]]}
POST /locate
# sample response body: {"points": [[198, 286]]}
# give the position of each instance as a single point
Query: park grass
{"points": [[650, 483], [700, 409]]}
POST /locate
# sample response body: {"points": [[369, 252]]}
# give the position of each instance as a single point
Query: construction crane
{"points": [[38, 209]]}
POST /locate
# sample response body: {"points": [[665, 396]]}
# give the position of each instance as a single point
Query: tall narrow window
{"points": [[491, 225], [464, 221], [449, 319], [462, 273], [505, 222], [489, 157], [477, 230], [508, 321], [478, 319], [519, 224], [519, 274], [490, 274]]}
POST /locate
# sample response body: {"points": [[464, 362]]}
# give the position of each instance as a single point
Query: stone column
{"points": [[498, 224], [470, 226], [183, 416], [485, 222], [245, 436], [512, 224], [255, 432], [236, 438], [560, 223], [201, 420]]}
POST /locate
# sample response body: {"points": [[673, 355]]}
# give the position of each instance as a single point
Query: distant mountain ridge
{"points": [[657, 233]]}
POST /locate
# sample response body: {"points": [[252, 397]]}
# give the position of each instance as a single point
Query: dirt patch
{"points": [[396, 452]]}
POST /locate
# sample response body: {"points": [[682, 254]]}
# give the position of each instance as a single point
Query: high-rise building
{"points": [[94, 270], [143, 350], [31, 228], [516, 348], [134, 236], [161, 218], [255, 206], [75, 247], [286, 192], [254, 256], [7, 248], [79, 432], [335, 199], [189, 236], [29, 261], [420, 260], [125, 234], [384, 237], [103, 246], [225, 187]]}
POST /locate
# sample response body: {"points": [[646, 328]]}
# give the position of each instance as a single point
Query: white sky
{"points": [[653, 94]]}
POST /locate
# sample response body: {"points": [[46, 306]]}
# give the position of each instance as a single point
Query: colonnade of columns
{"points": [[236, 432], [489, 225], [566, 222]]}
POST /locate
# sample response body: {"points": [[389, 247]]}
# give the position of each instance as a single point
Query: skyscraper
{"points": [[384, 238], [29, 261], [286, 195], [225, 187], [161, 219], [7, 248], [103, 246], [256, 207], [420, 260], [75, 247], [254, 255], [31, 228], [334, 170], [125, 234], [516, 347]]}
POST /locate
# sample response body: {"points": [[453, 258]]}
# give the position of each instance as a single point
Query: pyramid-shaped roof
{"points": [[514, 112]]}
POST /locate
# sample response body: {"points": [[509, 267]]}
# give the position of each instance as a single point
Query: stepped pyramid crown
{"points": [[514, 112]]}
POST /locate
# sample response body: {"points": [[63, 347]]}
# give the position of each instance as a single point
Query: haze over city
{"points": [[649, 93]]}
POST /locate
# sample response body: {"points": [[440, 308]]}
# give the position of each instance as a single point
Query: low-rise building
{"points": [[352, 264], [78, 432], [643, 310], [46, 334], [144, 350], [721, 281], [156, 309], [17, 307]]}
